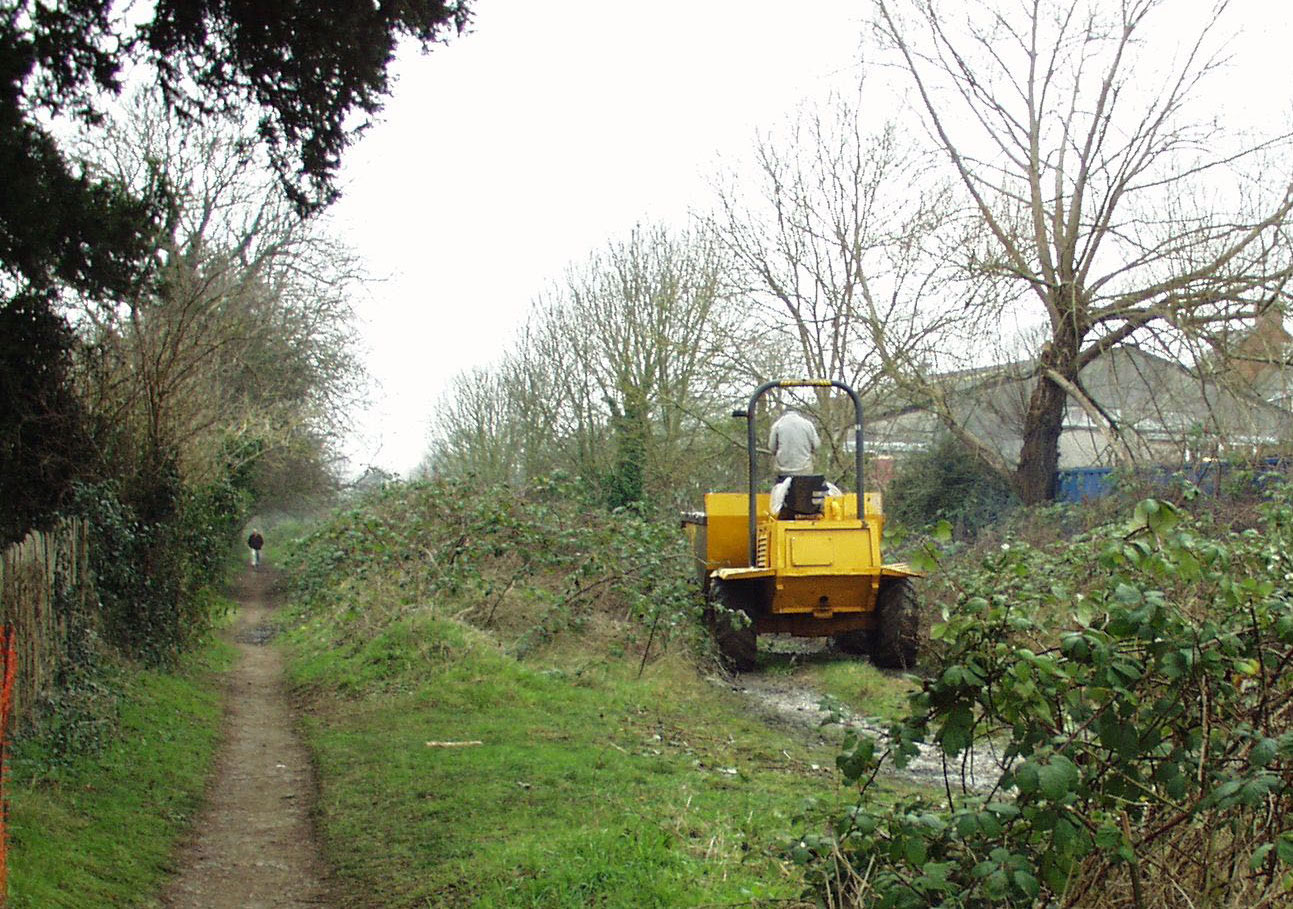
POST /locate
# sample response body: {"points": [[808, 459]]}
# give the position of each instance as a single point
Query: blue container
{"points": [[1083, 484]]}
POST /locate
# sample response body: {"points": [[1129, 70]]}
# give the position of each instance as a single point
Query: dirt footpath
{"points": [[253, 845]]}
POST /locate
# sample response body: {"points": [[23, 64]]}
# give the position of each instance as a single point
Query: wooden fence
{"points": [[41, 578]]}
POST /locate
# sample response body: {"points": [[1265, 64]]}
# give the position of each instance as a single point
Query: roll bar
{"points": [[748, 414]]}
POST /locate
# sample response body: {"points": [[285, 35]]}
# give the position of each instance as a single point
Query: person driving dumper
{"points": [[793, 441]]}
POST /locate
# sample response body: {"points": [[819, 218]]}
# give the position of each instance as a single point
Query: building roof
{"points": [[1163, 412]]}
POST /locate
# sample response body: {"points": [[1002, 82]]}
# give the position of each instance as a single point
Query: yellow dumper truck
{"points": [[812, 569]]}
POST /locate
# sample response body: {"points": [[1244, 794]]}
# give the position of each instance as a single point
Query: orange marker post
{"points": [[6, 711]]}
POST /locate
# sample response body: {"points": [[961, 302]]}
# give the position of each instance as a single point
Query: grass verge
{"points": [[589, 786], [99, 829]]}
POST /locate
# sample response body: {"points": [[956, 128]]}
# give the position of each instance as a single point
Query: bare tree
{"points": [[614, 372], [245, 335], [844, 249], [1119, 217], [476, 432]]}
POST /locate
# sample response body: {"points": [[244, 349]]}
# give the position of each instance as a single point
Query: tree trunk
{"points": [[1039, 457]]}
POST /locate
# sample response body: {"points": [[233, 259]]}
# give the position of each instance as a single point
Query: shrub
{"points": [[948, 483], [151, 560], [1139, 750]]}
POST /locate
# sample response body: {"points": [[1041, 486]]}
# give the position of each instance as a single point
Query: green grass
{"points": [[864, 689], [852, 681], [99, 830], [590, 787]]}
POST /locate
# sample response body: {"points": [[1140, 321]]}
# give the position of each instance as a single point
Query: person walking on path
{"points": [[254, 543]]}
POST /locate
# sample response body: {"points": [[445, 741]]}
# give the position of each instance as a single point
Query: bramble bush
{"points": [[544, 558], [1115, 720]]}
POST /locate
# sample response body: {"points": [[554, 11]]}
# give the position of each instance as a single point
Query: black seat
{"points": [[805, 498]]}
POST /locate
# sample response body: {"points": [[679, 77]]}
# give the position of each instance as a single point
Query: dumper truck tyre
{"points": [[897, 615], [733, 631]]}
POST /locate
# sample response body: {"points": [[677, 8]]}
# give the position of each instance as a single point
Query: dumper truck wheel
{"points": [[731, 627], [897, 614]]}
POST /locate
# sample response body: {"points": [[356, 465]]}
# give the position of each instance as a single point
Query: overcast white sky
{"points": [[523, 146], [553, 128]]}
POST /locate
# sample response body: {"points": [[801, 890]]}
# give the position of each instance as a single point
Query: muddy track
{"points": [[254, 846], [784, 701]]}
